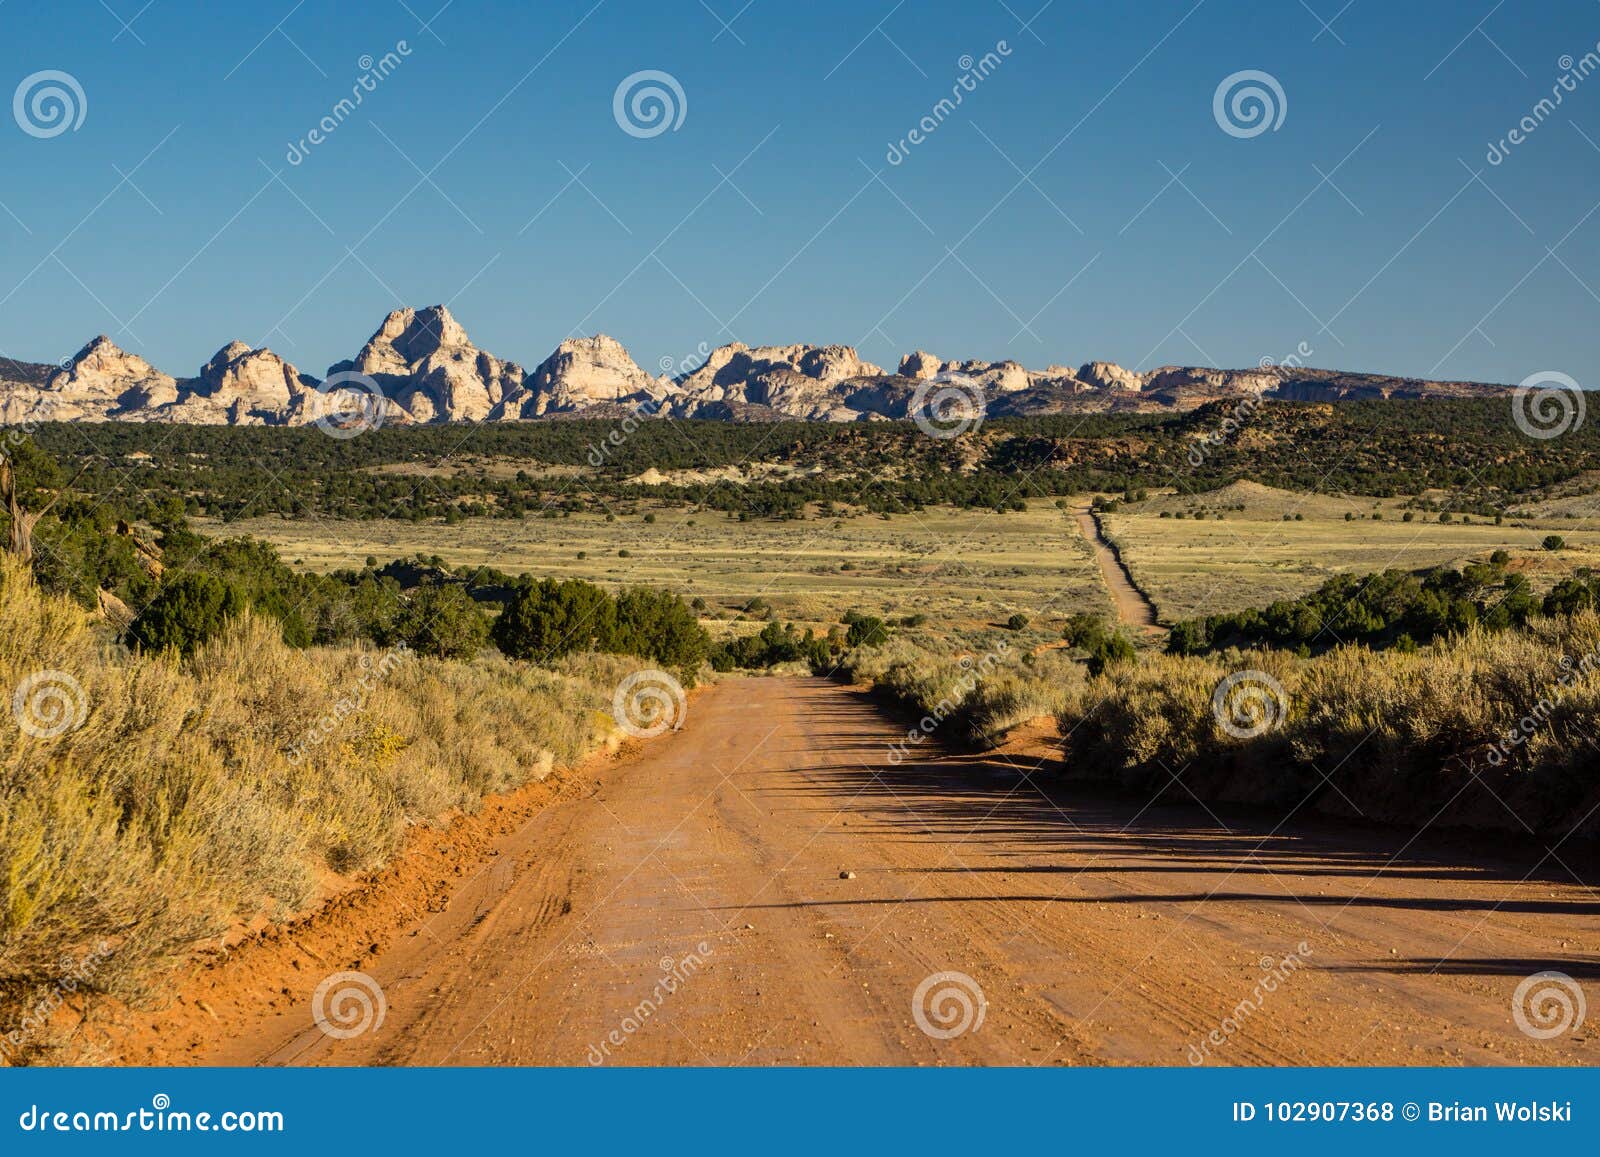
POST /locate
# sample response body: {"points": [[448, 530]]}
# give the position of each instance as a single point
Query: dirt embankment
{"points": [[765, 887]]}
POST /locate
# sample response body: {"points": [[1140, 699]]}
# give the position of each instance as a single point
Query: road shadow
{"points": [[1015, 817]]}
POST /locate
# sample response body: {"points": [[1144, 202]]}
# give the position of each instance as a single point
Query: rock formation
{"points": [[588, 371], [102, 381], [241, 386], [427, 366], [428, 370], [795, 381], [1109, 376]]}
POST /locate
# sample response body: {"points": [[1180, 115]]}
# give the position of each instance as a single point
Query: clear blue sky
{"points": [[545, 219]]}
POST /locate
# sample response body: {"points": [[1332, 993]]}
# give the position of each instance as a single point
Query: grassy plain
{"points": [[1251, 556], [963, 569]]}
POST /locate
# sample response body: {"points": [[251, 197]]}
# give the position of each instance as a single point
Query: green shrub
{"points": [[658, 625], [1109, 649], [189, 610], [1082, 629], [1372, 609], [774, 644], [441, 620], [548, 619], [867, 631]]}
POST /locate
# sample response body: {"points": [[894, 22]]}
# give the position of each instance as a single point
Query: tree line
{"points": [[1392, 608], [1469, 447]]}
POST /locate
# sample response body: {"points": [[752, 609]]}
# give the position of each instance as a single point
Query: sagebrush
{"points": [[198, 793]]}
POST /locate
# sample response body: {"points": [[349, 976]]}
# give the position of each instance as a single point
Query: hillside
{"points": [[1461, 455]]}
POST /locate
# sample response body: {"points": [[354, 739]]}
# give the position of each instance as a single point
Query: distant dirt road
{"points": [[1098, 931], [1133, 608]]}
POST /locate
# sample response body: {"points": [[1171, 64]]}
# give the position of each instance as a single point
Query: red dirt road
{"points": [[691, 910]]}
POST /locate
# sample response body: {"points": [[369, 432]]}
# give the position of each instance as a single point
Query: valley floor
{"points": [[797, 887], [963, 569]]}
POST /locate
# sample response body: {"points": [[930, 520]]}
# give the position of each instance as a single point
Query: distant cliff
{"points": [[426, 369]]}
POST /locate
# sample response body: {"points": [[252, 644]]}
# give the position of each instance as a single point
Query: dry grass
{"points": [[963, 568], [1250, 557], [1486, 730], [176, 809], [1490, 731], [973, 695]]}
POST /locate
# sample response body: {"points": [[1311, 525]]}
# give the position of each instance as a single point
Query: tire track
{"points": [[798, 890]]}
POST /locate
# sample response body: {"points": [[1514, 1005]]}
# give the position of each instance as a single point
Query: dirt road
{"points": [[691, 910], [1133, 608]]}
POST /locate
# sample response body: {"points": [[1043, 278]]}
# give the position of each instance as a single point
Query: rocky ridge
{"points": [[428, 370]]}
